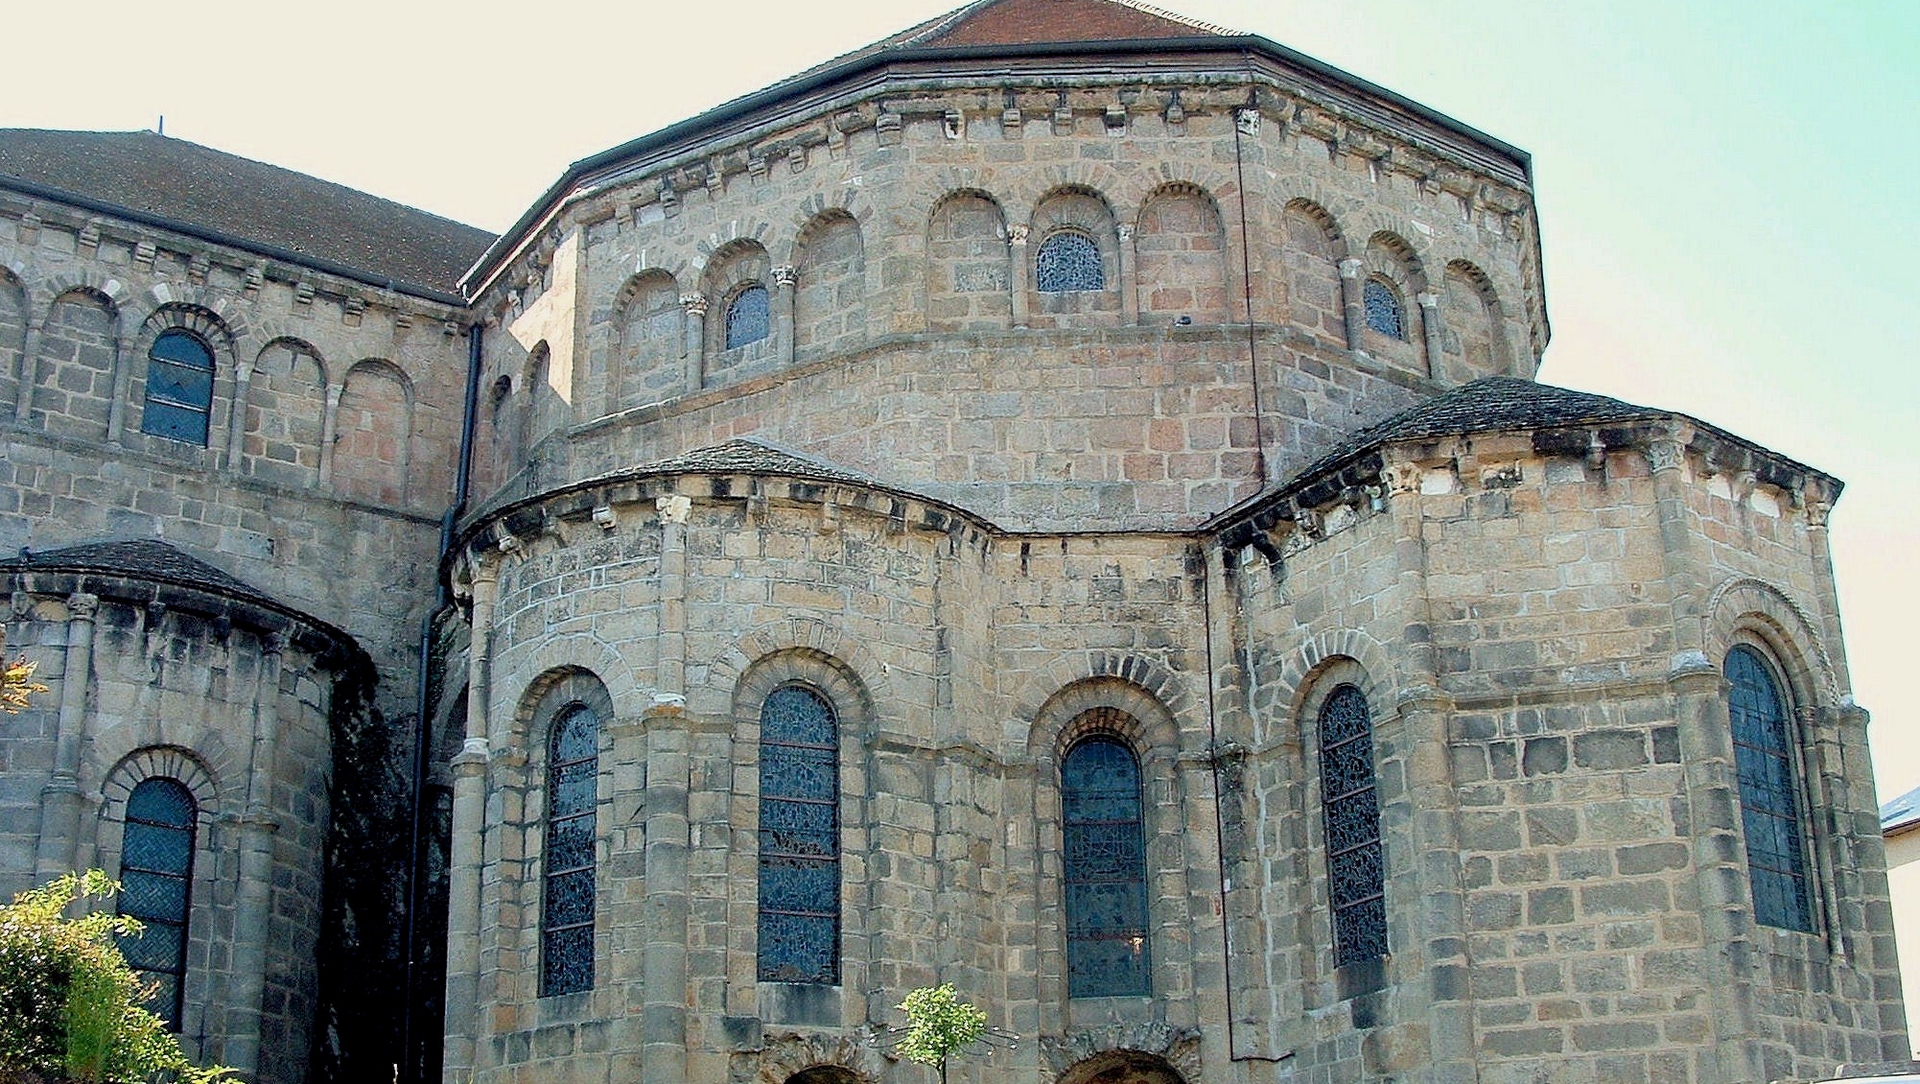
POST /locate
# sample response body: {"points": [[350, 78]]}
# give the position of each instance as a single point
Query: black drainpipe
{"points": [[423, 730]]}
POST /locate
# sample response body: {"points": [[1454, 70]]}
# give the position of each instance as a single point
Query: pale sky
{"points": [[1726, 190]]}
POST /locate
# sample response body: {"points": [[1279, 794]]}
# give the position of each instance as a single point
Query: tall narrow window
{"points": [[1384, 313], [156, 887], [1769, 804], [748, 320], [799, 928], [179, 388], [1106, 870], [1356, 869], [1068, 260], [566, 915]]}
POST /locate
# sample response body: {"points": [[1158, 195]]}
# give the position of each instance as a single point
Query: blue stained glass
{"points": [[799, 836], [179, 395], [566, 915], [1356, 866], [156, 878], [1769, 802], [1383, 309], [1105, 860], [1068, 261], [748, 319]]}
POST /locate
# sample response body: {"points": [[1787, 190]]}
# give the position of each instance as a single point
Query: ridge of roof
{"points": [[151, 175]]}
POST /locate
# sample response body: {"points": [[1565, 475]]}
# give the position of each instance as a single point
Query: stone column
{"points": [[696, 349], [1017, 271], [329, 432], [122, 383], [60, 802], [1353, 299], [663, 1011], [784, 278], [1129, 278], [237, 415], [23, 391], [253, 899], [1431, 331], [1695, 689], [469, 828]]}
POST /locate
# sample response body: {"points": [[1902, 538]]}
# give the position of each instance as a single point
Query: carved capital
{"points": [[82, 606], [695, 304], [1427, 302], [1125, 230], [1017, 234], [674, 508], [784, 276], [1402, 478], [1351, 267], [1665, 454]]}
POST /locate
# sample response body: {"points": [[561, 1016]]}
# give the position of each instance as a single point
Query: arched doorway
{"points": [[824, 1074], [1122, 1067]]}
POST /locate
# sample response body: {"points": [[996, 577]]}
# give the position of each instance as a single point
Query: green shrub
{"points": [[69, 1004]]}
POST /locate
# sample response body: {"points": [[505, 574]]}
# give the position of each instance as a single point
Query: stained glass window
{"points": [[799, 926], [1769, 806], [179, 388], [573, 791], [1106, 870], [1383, 309], [1356, 868], [1069, 260], [747, 317], [156, 887]]}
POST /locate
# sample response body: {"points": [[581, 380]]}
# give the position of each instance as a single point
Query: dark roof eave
{"points": [[1283, 490], [258, 248], [484, 266]]}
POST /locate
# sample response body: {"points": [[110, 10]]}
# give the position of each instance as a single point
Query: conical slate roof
{"points": [[146, 559]]}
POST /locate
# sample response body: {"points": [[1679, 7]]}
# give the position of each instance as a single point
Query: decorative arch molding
{"points": [[942, 185], [822, 207], [1079, 1057], [1103, 705], [158, 762], [588, 654], [1154, 679], [1317, 212], [629, 287], [1184, 178], [1079, 178], [1318, 655], [20, 262], [553, 690], [716, 249], [1746, 606], [209, 325], [386, 368], [795, 639], [232, 314], [1388, 242], [297, 345], [110, 291], [785, 1055]]}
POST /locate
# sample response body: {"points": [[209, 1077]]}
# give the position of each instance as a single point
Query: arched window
{"points": [[156, 887], [1356, 869], [1384, 313], [1769, 804], [1069, 260], [799, 927], [1105, 861], [179, 388], [747, 318], [566, 914]]}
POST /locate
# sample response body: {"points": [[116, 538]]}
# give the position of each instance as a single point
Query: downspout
{"points": [[1246, 280], [423, 736]]}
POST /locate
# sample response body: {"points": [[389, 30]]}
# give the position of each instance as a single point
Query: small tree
{"points": [[69, 1003], [16, 682], [939, 1026]]}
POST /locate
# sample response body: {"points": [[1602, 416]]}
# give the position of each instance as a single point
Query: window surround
{"points": [[178, 400]]}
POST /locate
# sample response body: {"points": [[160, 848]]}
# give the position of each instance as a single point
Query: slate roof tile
{"points": [[247, 200]]}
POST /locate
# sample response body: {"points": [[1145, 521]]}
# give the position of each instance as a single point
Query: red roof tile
{"points": [[1032, 22]]}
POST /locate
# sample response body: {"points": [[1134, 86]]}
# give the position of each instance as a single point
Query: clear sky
{"points": [[1727, 190]]}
